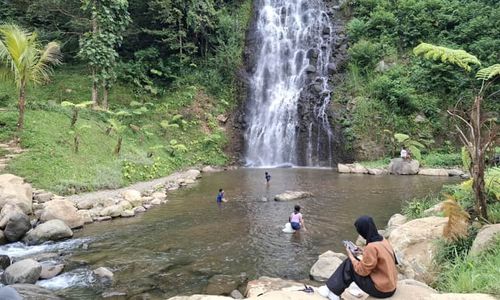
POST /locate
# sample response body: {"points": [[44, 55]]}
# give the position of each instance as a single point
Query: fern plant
{"points": [[479, 132], [414, 146]]}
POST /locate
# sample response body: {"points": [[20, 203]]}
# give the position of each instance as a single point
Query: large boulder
{"points": [[415, 245], [433, 172], [352, 168], [210, 169], [485, 239], [9, 293], [191, 174], [133, 197], [326, 264], [112, 211], [14, 190], [9, 210], [24, 271], [34, 292], [63, 210], [104, 274], [224, 284], [267, 284], [292, 195], [17, 226], [399, 166], [201, 297], [52, 230], [51, 271], [407, 289]]}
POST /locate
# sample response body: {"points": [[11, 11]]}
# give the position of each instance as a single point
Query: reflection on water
{"points": [[174, 249]]}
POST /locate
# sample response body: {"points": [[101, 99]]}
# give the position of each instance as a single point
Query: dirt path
{"points": [[8, 151], [140, 186]]}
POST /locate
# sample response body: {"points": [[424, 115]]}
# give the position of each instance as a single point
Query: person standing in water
{"points": [[268, 177], [296, 219], [220, 197]]}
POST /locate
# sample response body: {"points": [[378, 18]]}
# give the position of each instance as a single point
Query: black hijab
{"points": [[367, 229]]}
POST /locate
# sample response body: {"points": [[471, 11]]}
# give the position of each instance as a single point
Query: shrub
{"points": [[415, 208], [366, 54]]}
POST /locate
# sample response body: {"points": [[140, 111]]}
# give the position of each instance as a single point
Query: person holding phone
{"points": [[375, 272]]}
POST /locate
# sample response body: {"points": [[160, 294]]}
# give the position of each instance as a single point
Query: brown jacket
{"points": [[378, 262]]}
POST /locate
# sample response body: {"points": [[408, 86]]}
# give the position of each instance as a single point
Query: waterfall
{"points": [[287, 120]]}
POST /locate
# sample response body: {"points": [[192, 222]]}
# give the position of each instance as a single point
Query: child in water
{"points": [[220, 197], [268, 177], [296, 219]]}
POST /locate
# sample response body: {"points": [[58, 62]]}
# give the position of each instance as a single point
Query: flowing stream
{"points": [[295, 39], [178, 247]]}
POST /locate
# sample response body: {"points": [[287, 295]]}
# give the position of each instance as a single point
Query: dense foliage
{"points": [[175, 64], [387, 87]]}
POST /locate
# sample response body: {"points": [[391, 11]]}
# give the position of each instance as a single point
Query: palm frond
{"points": [[489, 72], [50, 56], [447, 55]]}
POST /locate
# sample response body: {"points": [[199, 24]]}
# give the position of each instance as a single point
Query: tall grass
{"points": [[464, 274]]}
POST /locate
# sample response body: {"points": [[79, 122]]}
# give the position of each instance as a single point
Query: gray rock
{"points": [[128, 213], [14, 190], [112, 211], [133, 196], [16, 227], [24, 271], [224, 284], [51, 271], [455, 172], [433, 172], [52, 230], [373, 171], [104, 274], [139, 209], [4, 261], [86, 216], [3, 240], [399, 166], [292, 195], [9, 210], [209, 169], [34, 292], [485, 239], [236, 295], [43, 197], [310, 69], [326, 264], [85, 204], [101, 219], [63, 210], [9, 293]]}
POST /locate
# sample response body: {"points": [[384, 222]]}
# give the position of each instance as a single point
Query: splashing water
{"points": [[295, 50]]}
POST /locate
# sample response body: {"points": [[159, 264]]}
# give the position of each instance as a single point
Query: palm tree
{"points": [[25, 61]]}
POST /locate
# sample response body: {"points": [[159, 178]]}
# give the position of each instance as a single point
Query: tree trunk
{"points": [[76, 142], [74, 118], [118, 146], [21, 106], [105, 92], [478, 163], [95, 102]]}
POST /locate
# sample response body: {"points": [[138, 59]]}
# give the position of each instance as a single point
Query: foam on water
{"points": [[20, 250], [74, 278]]}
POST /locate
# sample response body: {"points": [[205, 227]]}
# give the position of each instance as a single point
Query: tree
{"points": [[109, 20], [480, 131], [25, 61]]}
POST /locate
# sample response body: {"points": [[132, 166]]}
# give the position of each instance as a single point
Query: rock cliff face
{"points": [[318, 138]]}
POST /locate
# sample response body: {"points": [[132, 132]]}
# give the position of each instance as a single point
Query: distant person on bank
{"points": [[405, 154], [375, 273]]}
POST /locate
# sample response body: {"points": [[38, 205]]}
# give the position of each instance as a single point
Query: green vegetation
{"points": [[463, 274], [163, 107], [387, 87]]}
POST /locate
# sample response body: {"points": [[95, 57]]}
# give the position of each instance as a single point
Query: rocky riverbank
{"points": [[34, 217], [399, 166], [415, 243]]}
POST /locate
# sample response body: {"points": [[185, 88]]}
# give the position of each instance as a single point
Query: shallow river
{"points": [[177, 247]]}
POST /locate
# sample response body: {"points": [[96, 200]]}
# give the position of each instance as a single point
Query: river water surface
{"points": [[177, 247]]}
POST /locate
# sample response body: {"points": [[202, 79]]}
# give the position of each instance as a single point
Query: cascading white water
{"points": [[295, 49]]}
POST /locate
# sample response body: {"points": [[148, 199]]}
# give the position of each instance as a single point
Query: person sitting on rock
{"points": [[375, 273], [405, 154]]}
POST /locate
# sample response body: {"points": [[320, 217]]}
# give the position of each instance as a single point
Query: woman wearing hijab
{"points": [[375, 273]]}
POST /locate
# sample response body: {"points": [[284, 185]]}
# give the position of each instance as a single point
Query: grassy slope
{"points": [[51, 163]]}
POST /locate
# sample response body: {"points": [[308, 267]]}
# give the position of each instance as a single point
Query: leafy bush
{"points": [[436, 159], [366, 54], [415, 208]]}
